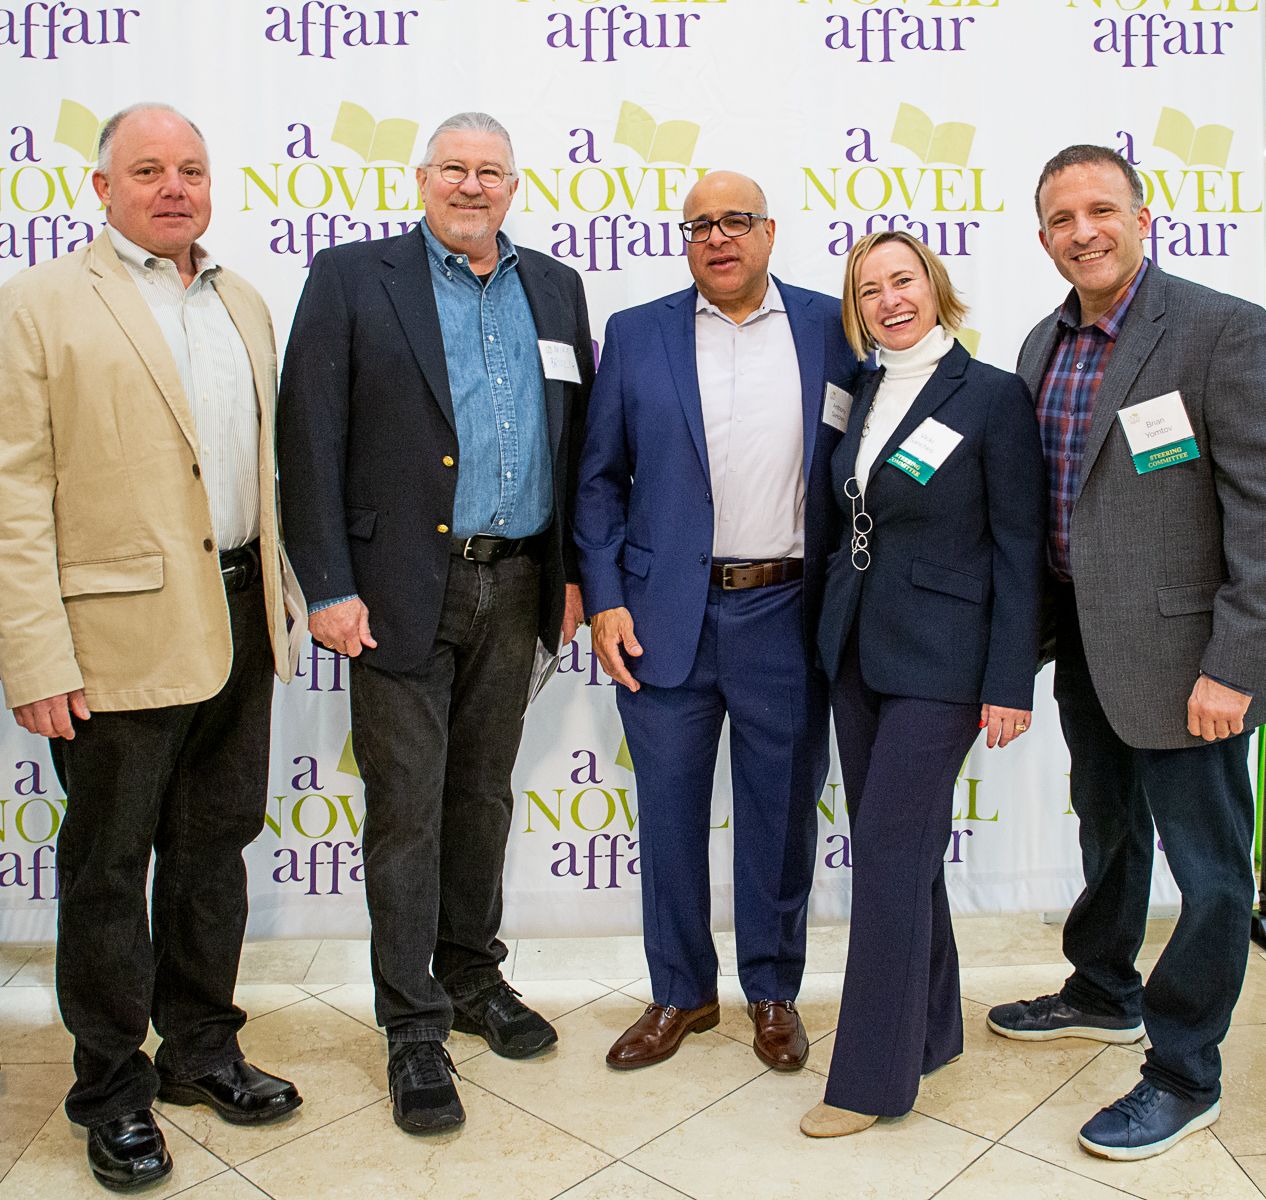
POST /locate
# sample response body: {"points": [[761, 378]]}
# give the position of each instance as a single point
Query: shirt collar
{"points": [[1111, 321], [136, 256], [452, 260], [772, 302]]}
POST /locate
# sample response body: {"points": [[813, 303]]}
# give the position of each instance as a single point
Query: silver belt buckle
{"points": [[467, 547]]}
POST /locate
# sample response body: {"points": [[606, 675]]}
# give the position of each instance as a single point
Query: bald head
{"points": [[728, 185], [730, 272]]}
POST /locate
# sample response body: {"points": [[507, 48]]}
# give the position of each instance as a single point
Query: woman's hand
{"points": [[1004, 724]]}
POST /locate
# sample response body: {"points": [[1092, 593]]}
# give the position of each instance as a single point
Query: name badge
{"points": [[836, 406], [1159, 433], [558, 360], [922, 453]]}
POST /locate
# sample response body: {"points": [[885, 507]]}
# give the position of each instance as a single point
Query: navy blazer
{"points": [[367, 444], [644, 515], [949, 607]]}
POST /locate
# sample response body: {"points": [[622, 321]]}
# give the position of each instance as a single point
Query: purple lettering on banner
{"points": [[1148, 39], [320, 30], [602, 33], [879, 35], [42, 30]]}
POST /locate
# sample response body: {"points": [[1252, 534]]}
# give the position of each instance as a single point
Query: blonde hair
{"points": [[950, 309]]}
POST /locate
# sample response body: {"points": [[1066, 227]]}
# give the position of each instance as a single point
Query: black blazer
{"points": [[365, 422], [948, 609]]}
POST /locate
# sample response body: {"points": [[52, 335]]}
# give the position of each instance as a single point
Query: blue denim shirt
{"points": [[504, 470]]}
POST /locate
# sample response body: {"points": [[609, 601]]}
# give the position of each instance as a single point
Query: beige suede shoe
{"points": [[825, 1120]]}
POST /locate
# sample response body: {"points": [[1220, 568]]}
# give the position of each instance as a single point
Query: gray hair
{"points": [[470, 122], [1086, 156], [111, 127]]}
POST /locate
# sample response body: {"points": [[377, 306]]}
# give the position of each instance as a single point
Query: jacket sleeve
{"points": [[583, 348]]}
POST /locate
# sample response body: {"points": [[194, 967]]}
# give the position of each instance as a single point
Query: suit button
{"points": [[447, 460], [208, 545], [703, 560], [197, 471], [441, 529], [708, 497]]}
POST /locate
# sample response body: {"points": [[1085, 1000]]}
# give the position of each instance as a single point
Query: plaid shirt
{"points": [[1065, 405]]}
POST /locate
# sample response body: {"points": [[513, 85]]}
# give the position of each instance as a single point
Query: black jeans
{"points": [[1202, 804], [435, 748], [188, 782]]}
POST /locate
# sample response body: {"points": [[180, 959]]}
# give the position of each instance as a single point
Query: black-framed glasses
{"points": [[733, 225], [489, 177]]}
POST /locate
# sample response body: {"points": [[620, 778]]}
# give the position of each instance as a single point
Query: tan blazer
{"points": [[109, 571]]}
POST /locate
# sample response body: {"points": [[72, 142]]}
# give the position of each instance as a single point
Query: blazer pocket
{"points": [[1182, 598], [361, 521], [635, 560], [139, 573], [937, 578]]}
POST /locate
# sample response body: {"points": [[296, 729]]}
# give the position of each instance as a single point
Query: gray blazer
{"points": [[1170, 567]]}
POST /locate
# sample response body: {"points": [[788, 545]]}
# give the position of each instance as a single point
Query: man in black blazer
{"points": [[1150, 398], [433, 400]]}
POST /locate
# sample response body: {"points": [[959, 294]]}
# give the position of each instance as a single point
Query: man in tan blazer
{"points": [[142, 618]]}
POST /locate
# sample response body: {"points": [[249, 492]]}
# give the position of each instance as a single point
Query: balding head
{"points": [[730, 272]]}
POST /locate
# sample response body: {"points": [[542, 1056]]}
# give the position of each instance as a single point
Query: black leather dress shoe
{"points": [[128, 1152], [240, 1093]]}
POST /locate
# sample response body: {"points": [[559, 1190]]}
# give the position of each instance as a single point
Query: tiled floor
{"points": [[712, 1122]]}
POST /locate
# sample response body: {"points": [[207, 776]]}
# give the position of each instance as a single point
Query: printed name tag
{"points": [[1159, 433], [558, 360], [836, 406], [922, 453]]}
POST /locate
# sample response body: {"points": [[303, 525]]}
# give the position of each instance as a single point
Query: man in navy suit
{"points": [[702, 526]]}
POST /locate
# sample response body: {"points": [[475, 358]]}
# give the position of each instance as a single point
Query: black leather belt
{"points": [[738, 576], [483, 548], [239, 568]]}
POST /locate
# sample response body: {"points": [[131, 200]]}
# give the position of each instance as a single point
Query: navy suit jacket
{"points": [[644, 515], [949, 607], [367, 444]]}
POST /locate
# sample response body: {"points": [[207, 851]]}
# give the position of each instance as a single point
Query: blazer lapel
{"points": [[677, 328], [810, 343], [865, 397], [547, 309], [408, 284], [1037, 353]]}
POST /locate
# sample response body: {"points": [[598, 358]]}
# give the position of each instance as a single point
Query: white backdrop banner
{"points": [[933, 116]]}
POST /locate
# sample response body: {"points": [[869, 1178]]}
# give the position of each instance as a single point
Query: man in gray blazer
{"points": [[1150, 394]]}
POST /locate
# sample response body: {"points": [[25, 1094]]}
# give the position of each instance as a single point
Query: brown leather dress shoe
{"points": [[780, 1041], [657, 1033]]}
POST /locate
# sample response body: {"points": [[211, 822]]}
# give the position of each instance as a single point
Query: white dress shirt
{"points": [[215, 372], [753, 420]]}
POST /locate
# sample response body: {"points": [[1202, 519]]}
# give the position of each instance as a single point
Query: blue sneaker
{"points": [[1049, 1017], [1147, 1121]]}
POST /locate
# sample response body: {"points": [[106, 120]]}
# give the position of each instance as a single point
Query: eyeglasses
{"points": [[863, 524], [733, 225], [488, 176]]}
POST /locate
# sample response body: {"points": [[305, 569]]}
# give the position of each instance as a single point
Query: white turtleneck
{"points": [[905, 373]]}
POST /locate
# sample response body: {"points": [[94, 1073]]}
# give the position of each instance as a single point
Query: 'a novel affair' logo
{"points": [[870, 32], [324, 30], [606, 33], [937, 198], [47, 31], [1150, 33]]}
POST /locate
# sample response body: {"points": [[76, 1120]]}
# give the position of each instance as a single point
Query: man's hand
{"points": [[611, 629], [343, 627], [51, 718], [1215, 711], [1004, 724], [573, 612]]}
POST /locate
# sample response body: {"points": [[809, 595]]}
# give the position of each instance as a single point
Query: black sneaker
{"points": [[1049, 1017], [423, 1098], [509, 1027]]}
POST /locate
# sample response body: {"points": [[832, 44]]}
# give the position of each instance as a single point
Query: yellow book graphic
{"points": [[1177, 133], [78, 128], [949, 142], [970, 339], [347, 760], [673, 141], [390, 140], [622, 756]]}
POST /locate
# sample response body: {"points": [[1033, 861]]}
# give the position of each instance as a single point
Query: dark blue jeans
{"points": [[190, 783], [436, 747], [1202, 804]]}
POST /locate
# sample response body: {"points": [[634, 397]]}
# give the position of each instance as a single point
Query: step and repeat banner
{"points": [[933, 116]]}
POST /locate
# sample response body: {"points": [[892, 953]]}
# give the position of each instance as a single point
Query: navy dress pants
{"points": [[751, 664], [1201, 802], [900, 1014]]}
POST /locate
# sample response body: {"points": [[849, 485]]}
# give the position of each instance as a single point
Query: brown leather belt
{"points": [[737, 576]]}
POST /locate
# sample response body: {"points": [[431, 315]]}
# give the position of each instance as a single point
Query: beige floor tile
{"points": [[1199, 1166], [619, 1181], [1001, 985], [501, 1151], [31, 1029], [229, 1186], [12, 960], [572, 1087], [619, 984], [1255, 1168], [826, 948], [1007, 940], [340, 961], [277, 960], [1242, 1126], [55, 1166], [750, 1144], [29, 1095], [579, 958], [1251, 1008], [37, 971], [337, 1064], [1004, 1174]]}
